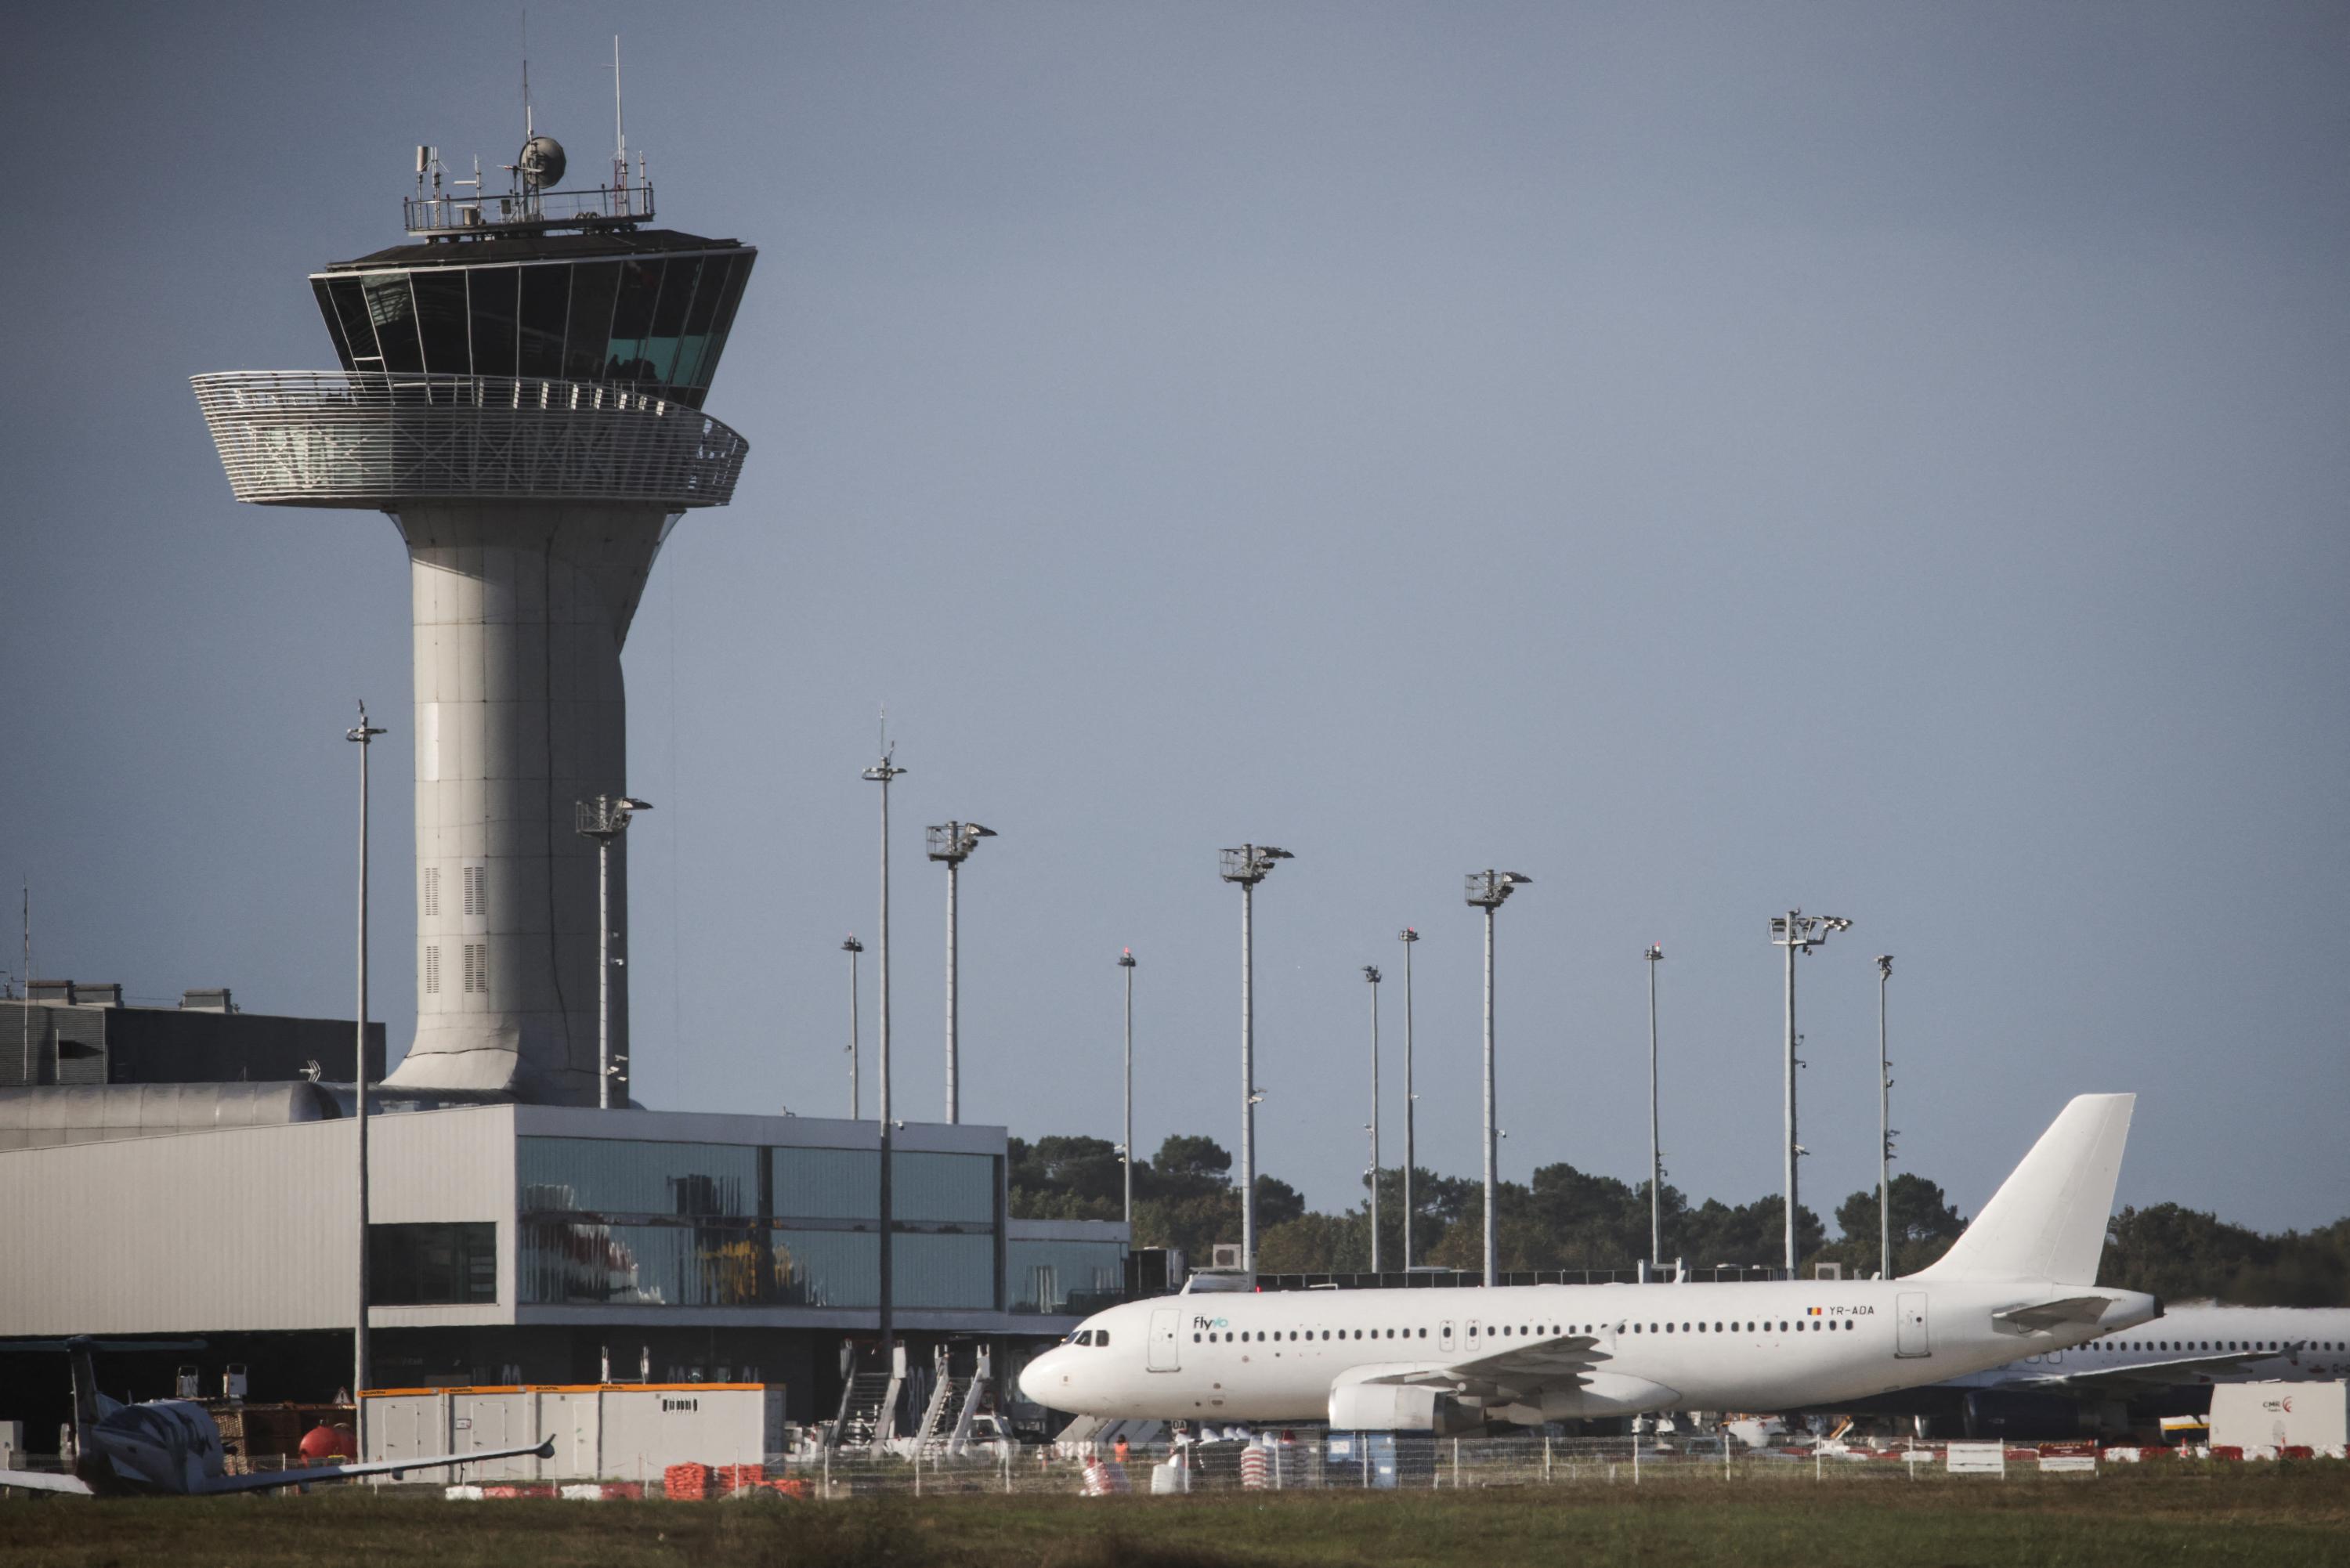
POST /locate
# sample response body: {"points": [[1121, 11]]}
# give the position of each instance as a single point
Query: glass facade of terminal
{"points": [[615, 1221], [1062, 1277], [643, 320]]}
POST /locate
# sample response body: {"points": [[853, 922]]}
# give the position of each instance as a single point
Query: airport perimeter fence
{"points": [[1377, 1461], [1313, 1461]]}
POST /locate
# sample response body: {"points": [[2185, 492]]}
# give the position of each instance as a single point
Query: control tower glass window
{"points": [[658, 319], [345, 302], [391, 309], [440, 321], [717, 278], [495, 299], [713, 342], [592, 288], [632, 321], [545, 298], [678, 288]]}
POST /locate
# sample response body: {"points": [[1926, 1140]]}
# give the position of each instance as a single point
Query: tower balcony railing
{"points": [[377, 439], [437, 215]]}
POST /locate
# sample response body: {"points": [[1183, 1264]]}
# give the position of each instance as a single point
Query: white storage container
{"points": [[613, 1431], [2263, 1417]]}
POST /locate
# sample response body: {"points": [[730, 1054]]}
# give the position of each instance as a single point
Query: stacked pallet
{"points": [[687, 1482]]}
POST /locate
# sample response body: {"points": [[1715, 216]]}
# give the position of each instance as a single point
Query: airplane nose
{"points": [[1039, 1379]]}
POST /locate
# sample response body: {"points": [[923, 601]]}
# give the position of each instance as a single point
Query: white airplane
{"points": [[2194, 1347], [173, 1447], [2023, 1275]]}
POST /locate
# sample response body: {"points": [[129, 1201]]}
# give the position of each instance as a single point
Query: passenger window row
{"points": [[1248, 1336], [1471, 1331], [1099, 1337], [1260, 1336], [2111, 1345], [1798, 1326]]}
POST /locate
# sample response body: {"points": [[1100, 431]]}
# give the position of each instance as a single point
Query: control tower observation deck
{"points": [[521, 390]]}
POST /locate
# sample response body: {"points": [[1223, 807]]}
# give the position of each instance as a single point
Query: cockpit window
{"points": [[1101, 1337], [1085, 1338]]}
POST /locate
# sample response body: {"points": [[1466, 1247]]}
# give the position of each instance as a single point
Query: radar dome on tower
{"points": [[541, 162]]}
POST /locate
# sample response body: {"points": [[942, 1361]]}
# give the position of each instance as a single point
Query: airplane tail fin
{"points": [[2047, 1221], [85, 1389], [89, 1403]]}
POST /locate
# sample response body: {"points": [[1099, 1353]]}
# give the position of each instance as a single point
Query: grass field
{"points": [[2276, 1516]]}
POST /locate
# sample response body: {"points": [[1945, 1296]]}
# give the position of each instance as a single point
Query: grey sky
{"points": [[1890, 460]]}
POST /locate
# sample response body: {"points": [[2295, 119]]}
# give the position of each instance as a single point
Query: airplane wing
{"points": [[268, 1479], [2146, 1374], [46, 1480], [2042, 1317], [1507, 1376]]}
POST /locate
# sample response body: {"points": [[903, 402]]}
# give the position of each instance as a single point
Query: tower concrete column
{"points": [[520, 611]]}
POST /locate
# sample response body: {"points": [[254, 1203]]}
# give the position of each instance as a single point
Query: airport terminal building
{"points": [[519, 1243]]}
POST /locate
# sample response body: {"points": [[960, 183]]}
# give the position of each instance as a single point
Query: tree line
{"points": [[1185, 1195]]}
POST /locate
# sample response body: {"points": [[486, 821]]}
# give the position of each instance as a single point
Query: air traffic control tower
{"points": [[521, 392]]}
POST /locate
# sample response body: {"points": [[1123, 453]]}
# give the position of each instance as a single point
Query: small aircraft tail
{"points": [[89, 1403], [2047, 1221], [85, 1387]]}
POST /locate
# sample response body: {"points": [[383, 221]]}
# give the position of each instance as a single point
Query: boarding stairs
{"points": [[868, 1419], [956, 1407]]}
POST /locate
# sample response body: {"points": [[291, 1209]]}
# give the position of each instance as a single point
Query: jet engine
{"points": [[1400, 1408]]}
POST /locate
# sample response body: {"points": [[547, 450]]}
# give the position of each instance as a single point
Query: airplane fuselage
{"points": [[2200, 1345], [170, 1446], [1272, 1356]]}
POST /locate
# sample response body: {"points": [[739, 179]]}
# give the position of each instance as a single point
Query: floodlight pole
{"points": [[1793, 1150], [881, 773], [1492, 1229], [1248, 1078], [1371, 973], [364, 734], [1655, 955], [852, 946], [951, 843], [1797, 933], [953, 1097], [1487, 891], [1248, 866], [605, 819], [1884, 1128], [603, 970], [1126, 962], [1407, 937]]}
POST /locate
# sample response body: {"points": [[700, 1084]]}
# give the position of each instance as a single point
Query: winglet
{"points": [[2047, 1221]]}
